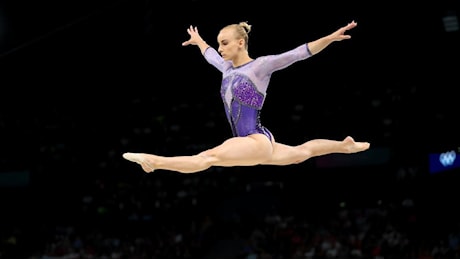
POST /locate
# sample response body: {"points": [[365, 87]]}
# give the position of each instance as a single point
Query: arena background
{"points": [[85, 81]]}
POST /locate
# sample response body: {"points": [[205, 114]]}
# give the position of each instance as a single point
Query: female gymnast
{"points": [[243, 89]]}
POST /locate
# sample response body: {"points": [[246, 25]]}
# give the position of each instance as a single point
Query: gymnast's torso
{"points": [[244, 88]]}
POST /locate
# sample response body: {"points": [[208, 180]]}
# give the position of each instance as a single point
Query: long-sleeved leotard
{"points": [[244, 88]]}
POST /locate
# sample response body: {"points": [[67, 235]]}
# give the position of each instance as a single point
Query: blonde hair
{"points": [[242, 30]]}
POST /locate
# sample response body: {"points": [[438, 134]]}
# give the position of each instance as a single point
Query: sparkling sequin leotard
{"points": [[244, 88]]}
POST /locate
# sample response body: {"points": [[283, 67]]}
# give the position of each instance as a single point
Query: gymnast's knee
{"points": [[206, 159]]}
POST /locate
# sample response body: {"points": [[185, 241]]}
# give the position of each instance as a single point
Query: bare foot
{"points": [[353, 147], [139, 158]]}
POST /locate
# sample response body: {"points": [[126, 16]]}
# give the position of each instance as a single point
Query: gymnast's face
{"points": [[229, 46]]}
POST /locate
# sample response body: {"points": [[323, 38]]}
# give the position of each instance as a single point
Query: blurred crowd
{"points": [[225, 214]]}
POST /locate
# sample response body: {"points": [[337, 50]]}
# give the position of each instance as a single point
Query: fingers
{"points": [[351, 25], [347, 27], [191, 30]]}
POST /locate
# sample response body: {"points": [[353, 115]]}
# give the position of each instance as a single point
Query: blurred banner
{"points": [[444, 161], [14, 179]]}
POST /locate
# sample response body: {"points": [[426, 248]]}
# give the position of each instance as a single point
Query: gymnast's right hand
{"points": [[195, 37]]}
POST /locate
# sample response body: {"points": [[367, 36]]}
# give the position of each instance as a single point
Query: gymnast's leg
{"points": [[236, 151], [285, 154]]}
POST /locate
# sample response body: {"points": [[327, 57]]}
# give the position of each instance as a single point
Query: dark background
{"points": [[85, 81]]}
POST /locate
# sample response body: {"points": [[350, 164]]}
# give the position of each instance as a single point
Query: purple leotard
{"points": [[244, 88]]}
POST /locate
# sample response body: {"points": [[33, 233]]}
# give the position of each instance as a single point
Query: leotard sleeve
{"points": [[214, 58], [272, 63]]}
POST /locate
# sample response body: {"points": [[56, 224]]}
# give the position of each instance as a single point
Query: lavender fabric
{"points": [[244, 88]]}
